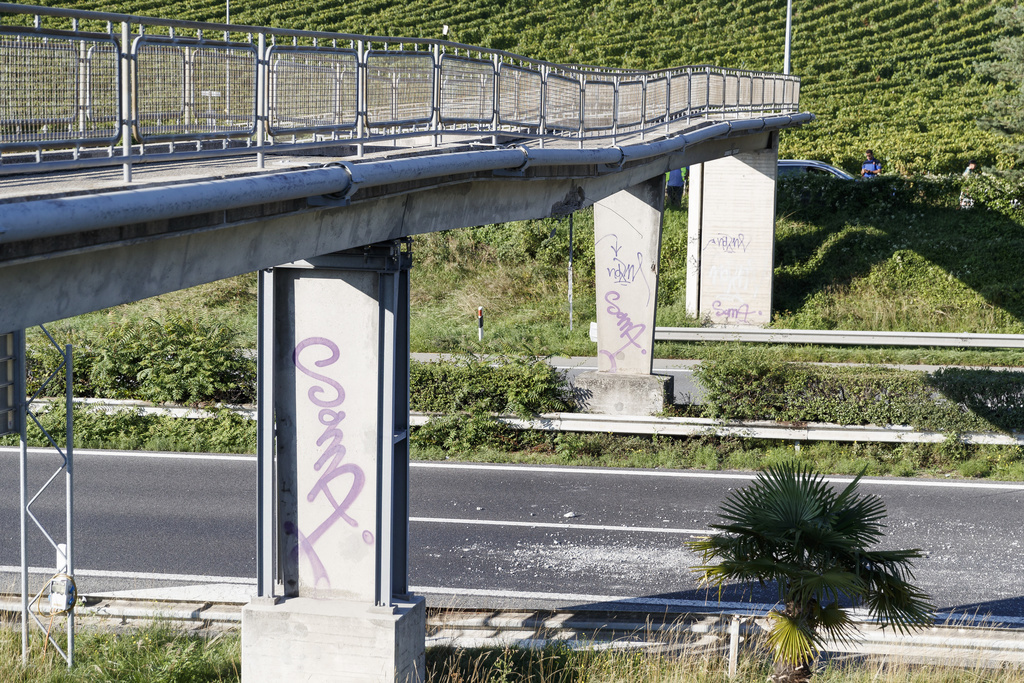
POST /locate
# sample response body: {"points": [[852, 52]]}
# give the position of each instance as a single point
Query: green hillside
{"points": [[894, 75]]}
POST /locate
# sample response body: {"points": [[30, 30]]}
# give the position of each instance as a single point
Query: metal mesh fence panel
{"points": [[792, 95], [467, 90], [399, 88], [631, 103], [768, 96], [757, 92], [186, 90], [657, 99], [224, 89], [160, 103], [58, 90], [518, 96], [732, 90], [681, 93], [746, 86], [599, 105], [562, 103], [312, 89], [716, 90]]}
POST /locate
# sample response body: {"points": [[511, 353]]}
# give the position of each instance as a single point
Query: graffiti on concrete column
{"points": [[626, 270], [737, 314], [629, 331], [340, 483], [728, 244]]}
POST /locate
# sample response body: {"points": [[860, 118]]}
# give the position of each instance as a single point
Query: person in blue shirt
{"points": [[674, 187], [871, 166]]}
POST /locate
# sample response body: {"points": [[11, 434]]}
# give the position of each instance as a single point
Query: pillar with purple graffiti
{"points": [[627, 245]]}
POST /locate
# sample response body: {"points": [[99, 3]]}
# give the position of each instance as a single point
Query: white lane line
{"points": [[609, 471], [9, 450], [677, 474], [560, 525], [143, 576]]}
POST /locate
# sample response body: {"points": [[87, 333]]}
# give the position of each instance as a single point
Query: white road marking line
{"points": [[679, 474], [560, 525], [144, 576]]}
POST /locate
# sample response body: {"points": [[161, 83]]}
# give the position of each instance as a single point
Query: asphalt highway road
{"points": [[499, 535]]}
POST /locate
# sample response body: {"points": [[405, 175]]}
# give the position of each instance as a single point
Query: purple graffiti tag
{"points": [[621, 272], [740, 314], [317, 390], [628, 330], [329, 464], [730, 244]]}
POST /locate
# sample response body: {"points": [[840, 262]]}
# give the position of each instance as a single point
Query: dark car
{"points": [[792, 167]]}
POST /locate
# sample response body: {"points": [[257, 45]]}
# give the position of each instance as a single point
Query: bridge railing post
{"points": [[126, 101], [262, 108], [360, 96]]}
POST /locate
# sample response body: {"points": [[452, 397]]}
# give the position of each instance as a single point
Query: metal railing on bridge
{"points": [[84, 88]]}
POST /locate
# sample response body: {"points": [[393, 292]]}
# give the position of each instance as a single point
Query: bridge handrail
{"points": [[81, 88]]}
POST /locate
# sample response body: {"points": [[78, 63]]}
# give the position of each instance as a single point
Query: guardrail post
{"points": [[262, 108], [495, 96], [543, 103], [435, 115], [360, 96], [126, 101], [734, 646]]}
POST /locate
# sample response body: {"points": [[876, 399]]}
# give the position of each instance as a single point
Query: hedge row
{"points": [[178, 360], [752, 383]]}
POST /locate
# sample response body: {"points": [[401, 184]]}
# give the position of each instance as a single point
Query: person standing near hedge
{"points": [[871, 166]]}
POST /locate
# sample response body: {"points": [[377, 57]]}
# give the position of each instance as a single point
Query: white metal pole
{"points": [[19, 397], [69, 478], [789, 33], [570, 272], [126, 101], [262, 110], [266, 481]]}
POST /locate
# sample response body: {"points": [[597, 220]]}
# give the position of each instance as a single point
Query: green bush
{"points": [[466, 390], [753, 383], [178, 360]]}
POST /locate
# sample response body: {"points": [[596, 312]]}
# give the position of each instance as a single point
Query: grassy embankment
{"points": [[160, 655]]}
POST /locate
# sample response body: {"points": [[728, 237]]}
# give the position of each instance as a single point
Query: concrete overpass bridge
{"points": [[140, 156]]}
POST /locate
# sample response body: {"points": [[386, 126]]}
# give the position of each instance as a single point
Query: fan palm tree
{"points": [[790, 527]]}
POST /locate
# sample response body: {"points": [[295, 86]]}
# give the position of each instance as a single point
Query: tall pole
{"points": [[789, 33]]}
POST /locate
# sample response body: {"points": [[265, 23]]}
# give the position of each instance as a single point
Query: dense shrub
{"points": [[467, 390], [179, 360], [752, 383]]}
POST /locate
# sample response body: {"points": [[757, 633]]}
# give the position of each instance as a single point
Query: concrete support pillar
{"points": [[340, 608], [627, 247], [731, 238]]}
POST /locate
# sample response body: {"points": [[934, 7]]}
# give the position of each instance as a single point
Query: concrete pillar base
{"points": [[302, 639], [609, 393]]}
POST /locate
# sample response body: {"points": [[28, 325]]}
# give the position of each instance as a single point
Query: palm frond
{"points": [[792, 639]]}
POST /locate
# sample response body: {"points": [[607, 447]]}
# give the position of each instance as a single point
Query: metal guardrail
{"points": [[835, 337], [84, 88]]}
